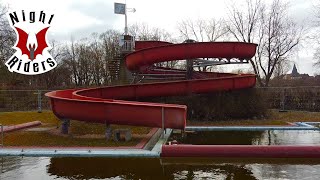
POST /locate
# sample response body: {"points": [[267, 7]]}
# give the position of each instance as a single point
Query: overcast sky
{"points": [[80, 18]]}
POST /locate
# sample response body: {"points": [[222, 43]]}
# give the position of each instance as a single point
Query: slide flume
{"points": [[109, 105]]}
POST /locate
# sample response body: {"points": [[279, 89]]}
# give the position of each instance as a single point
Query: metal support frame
{"points": [[177, 75], [164, 78], [108, 133], [162, 119], [39, 102], [283, 99], [65, 126], [189, 71], [168, 70], [202, 63], [39, 99], [2, 135], [125, 21]]}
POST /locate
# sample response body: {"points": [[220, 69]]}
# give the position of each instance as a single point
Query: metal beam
{"points": [[218, 63], [160, 74]]}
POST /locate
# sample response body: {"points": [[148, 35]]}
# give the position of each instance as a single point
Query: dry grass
{"points": [[10, 118], [52, 138], [237, 123], [23, 138], [77, 128], [296, 116]]}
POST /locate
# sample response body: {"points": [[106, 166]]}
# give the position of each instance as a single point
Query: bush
{"points": [[240, 104]]}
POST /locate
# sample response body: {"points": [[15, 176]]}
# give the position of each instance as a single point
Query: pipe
{"points": [[21, 126], [241, 151]]}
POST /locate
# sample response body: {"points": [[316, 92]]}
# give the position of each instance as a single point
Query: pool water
{"points": [[28, 168], [34, 168], [278, 137]]}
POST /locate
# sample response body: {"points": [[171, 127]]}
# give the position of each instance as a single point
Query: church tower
{"points": [[294, 71]]}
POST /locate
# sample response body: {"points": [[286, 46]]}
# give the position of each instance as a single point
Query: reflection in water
{"points": [[100, 168], [272, 171], [288, 137], [179, 168], [24, 168], [10, 163], [219, 137], [85, 168]]}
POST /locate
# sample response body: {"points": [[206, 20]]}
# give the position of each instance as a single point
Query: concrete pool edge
{"points": [[156, 147], [93, 151]]}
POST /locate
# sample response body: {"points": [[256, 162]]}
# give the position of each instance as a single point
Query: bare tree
{"points": [[202, 30], [315, 37], [7, 39], [7, 36], [110, 47], [281, 68], [143, 32], [316, 56], [270, 26]]}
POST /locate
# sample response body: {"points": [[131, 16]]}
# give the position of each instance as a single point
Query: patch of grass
{"points": [[82, 128], [77, 128], [23, 138], [11, 118], [47, 138], [50, 120], [296, 116], [237, 123]]}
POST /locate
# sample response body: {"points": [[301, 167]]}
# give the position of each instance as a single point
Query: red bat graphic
{"points": [[22, 42]]}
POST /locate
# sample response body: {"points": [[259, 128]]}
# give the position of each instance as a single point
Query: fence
{"points": [[292, 98], [23, 100], [282, 98]]}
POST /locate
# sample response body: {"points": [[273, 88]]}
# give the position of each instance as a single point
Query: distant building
{"points": [[295, 79], [295, 74]]}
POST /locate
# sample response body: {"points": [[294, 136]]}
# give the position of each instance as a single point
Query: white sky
{"points": [[80, 18]]}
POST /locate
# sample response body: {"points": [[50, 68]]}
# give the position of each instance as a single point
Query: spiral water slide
{"points": [[114, 105]]}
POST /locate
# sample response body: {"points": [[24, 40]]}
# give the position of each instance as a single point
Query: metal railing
{"points": [[128, 46]]}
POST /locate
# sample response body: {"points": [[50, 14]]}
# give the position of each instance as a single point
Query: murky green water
{"points": [[250, 138], [178, 168]]}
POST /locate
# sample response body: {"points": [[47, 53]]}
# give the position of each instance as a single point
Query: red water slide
{"points": [[110, 105]]}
